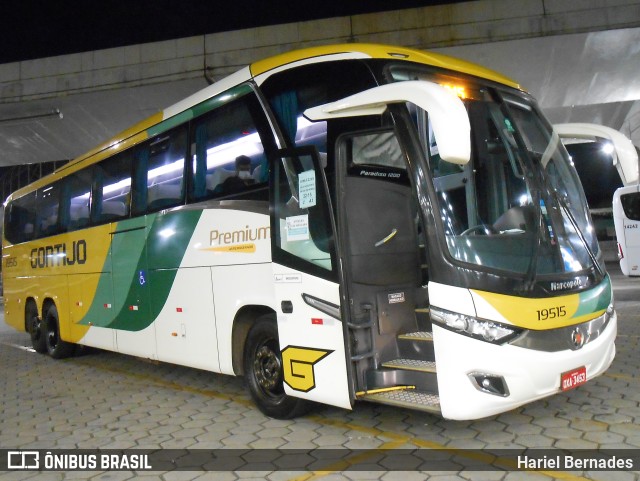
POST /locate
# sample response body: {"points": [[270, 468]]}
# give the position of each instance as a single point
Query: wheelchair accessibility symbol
{"points": [[143, 281]]}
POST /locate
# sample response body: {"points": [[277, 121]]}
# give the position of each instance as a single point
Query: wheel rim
{"points": [[52, 335], [267, 369]]}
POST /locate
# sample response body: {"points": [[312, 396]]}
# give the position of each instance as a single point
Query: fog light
{"points": [[489, 383]]}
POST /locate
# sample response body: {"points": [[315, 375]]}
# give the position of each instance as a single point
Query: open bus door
{"points": [[306, 280], [311, 310], [380, 252]]}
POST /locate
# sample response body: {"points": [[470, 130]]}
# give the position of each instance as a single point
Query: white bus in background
{"points": [[626, 217], [626, 199]]}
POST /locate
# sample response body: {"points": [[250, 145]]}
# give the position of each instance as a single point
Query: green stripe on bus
{"points": [[146, 262], [199, 109], [595, 300]]}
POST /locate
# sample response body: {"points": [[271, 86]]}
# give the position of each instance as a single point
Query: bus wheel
{"points": [[56, 347], [263, 372], [36, 328]]}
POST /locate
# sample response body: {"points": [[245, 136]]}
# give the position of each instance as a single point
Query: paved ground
{"points": [[110, 401]]}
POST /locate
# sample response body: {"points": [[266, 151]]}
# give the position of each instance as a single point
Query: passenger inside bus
{"points": [[242, 177]]}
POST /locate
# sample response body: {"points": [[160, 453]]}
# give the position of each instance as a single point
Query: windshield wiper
{"points": [[574, 224], [530, 281]]}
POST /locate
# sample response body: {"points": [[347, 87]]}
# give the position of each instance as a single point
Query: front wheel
{"points": [[264, 375], [56, 347]]}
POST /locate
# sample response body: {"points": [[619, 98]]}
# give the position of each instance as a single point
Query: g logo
{"points": [[297, 364]]}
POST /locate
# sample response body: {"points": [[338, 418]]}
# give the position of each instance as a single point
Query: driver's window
{"points": [[302, 223]]}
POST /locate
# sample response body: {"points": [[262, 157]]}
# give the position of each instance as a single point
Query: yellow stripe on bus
{"points": [[382, 51], [538, 313]]}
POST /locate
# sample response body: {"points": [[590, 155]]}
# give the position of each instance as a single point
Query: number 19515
{"points": [[552, 313]]}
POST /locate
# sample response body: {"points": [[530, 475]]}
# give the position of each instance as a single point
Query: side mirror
{"points": [[447, 113]]}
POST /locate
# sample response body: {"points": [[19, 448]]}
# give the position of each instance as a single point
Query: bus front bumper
{"points": [[528, 374]]}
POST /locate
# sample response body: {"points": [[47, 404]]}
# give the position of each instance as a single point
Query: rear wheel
{"points": [[35, 326], [263, 372], [56, 347]]}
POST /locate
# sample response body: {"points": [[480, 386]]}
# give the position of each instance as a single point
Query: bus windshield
{"points": [[518, 205]]}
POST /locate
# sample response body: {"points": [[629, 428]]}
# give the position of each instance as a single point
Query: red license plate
{"points": [[571, 379]]}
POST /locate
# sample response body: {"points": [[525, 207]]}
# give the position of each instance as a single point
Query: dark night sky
{"points": [[43, 28]]}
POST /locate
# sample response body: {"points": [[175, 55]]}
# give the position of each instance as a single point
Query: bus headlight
{"points": [[483, 330]]}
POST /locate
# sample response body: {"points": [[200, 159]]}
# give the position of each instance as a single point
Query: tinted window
{"points": [[301, 218], [229, 154], [113, 178], [20, 219], [48, 220], [159, 181], [291, 92], [79, 188], [631, 205]]}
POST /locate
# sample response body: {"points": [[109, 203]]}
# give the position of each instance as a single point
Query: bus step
{"points": [[408, 398], [420, 336], [416, 345], [411, 365], [423, 319]]}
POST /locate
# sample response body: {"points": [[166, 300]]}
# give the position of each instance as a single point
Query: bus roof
{"points": [[366, 50], [261, 68]]}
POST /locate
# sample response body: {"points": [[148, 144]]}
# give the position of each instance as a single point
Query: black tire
{"points": [[56, 347], [35, 326], [263, 372]]}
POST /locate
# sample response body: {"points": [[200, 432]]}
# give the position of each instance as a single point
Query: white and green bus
{"points": [[340, 223]]}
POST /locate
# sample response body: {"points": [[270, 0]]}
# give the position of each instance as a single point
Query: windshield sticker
{"points": [[307, 189], [298, 228]]}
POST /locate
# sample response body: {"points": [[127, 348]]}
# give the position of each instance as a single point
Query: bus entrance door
{"points": [[392, 345], [307, 290]]}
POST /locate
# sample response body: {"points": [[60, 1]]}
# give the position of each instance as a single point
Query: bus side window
{"points": [[113, 189], [229, 156], [302, 221], [20, 218], [293, 91], [159, 181], [48, 221], [79, 203]]}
